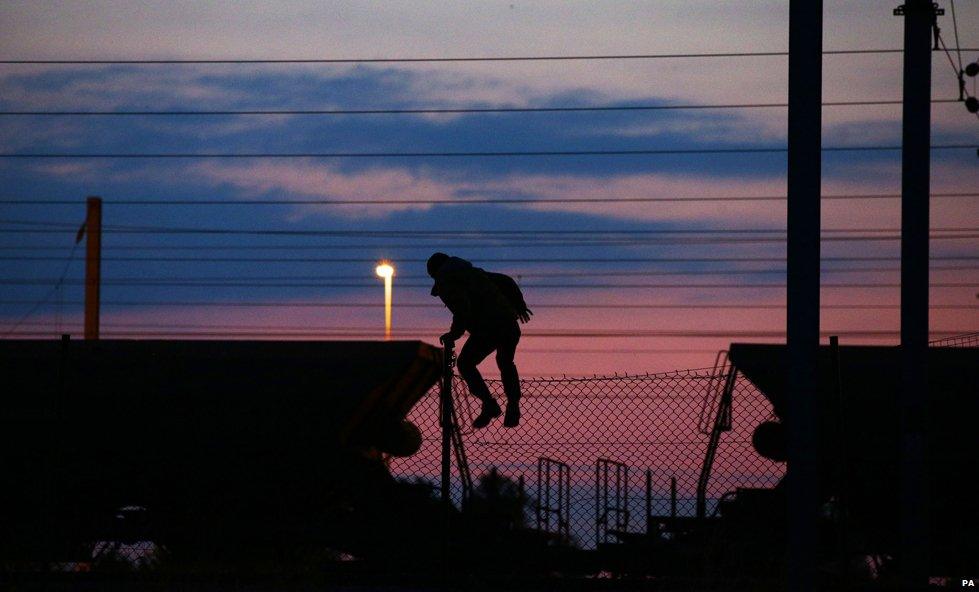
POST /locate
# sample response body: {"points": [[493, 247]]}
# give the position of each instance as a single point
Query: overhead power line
{"points": [[538, 286], [438, 110], [314, 333], [636, 242], [373, 260], [60, 281], [461, 201], [177, 280], [388, 60], [541, 306], [454, 154], [464, 232]]}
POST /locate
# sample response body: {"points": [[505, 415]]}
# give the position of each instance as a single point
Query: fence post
{"points": [[445, 407], [649, 501], [673, 497]]}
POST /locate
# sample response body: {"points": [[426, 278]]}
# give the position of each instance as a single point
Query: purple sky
{"points": [[560, 339]]}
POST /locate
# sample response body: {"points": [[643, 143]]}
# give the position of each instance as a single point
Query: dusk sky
{"points": [[601, 276]]}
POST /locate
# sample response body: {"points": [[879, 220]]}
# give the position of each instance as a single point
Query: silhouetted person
{"points": [[488, 306]]}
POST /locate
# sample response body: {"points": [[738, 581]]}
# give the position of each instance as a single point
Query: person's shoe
{"points": [[491, 410], [512, 417]]}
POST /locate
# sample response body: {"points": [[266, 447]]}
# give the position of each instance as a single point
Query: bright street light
{"points": [[386, 270]]}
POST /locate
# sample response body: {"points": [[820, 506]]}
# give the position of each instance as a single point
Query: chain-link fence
{"points": [[963, 340], [616, 448]]}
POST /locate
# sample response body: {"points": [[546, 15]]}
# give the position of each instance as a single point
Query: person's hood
{"points": [[451, 265]]}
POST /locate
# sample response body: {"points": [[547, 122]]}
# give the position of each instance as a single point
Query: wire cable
{"points": [[461, 202], [955, 28], [516, 274], [373, 261], [452, 154], [439, 110], [530, 285], [522, 58], [637, 242], [542, 306], [54, 289], [585, 57], [464, 232]]}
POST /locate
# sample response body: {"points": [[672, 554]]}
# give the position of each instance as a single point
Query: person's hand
{"points": [[447, 338], [525, 315]]}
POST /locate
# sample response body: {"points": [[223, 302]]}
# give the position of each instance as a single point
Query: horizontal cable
{"points": [[433, 305], [456, 154], [642, 241], [428, 285], [522, 58], [450, 110], [459, 232], [177, 280], [466, 201], [370, 333], [482, 260]]}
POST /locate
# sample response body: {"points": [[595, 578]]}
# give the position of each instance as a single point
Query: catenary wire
{"points": [[518, 274], [452, 154], [620, 243], [521, 58], [457, 232], [467, 201], [543, 306], [570, 334], [37, 304], [427, 285], [445, 110], [372, 261]]}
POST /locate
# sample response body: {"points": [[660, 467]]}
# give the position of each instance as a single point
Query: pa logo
{"points": [[968, 583]]}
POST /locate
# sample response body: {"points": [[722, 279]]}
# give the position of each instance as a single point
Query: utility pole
{"points": [[93, 264], [919, 20], [802, 315]]}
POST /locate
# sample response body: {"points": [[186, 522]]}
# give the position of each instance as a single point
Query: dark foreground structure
{"points": [[222, 452], [860, 463], [244, 458]]}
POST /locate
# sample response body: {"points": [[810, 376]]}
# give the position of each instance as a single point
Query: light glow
{"points": [[386, 270]]}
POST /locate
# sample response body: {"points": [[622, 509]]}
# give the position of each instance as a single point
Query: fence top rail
{"points": [[691, 373], [961, 340]]}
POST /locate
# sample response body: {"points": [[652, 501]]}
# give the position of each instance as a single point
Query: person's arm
{"points": [[456, 331], [458, 303]]}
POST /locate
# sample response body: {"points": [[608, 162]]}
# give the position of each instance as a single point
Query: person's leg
{"points": [[475, 350], [505, 352]]}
